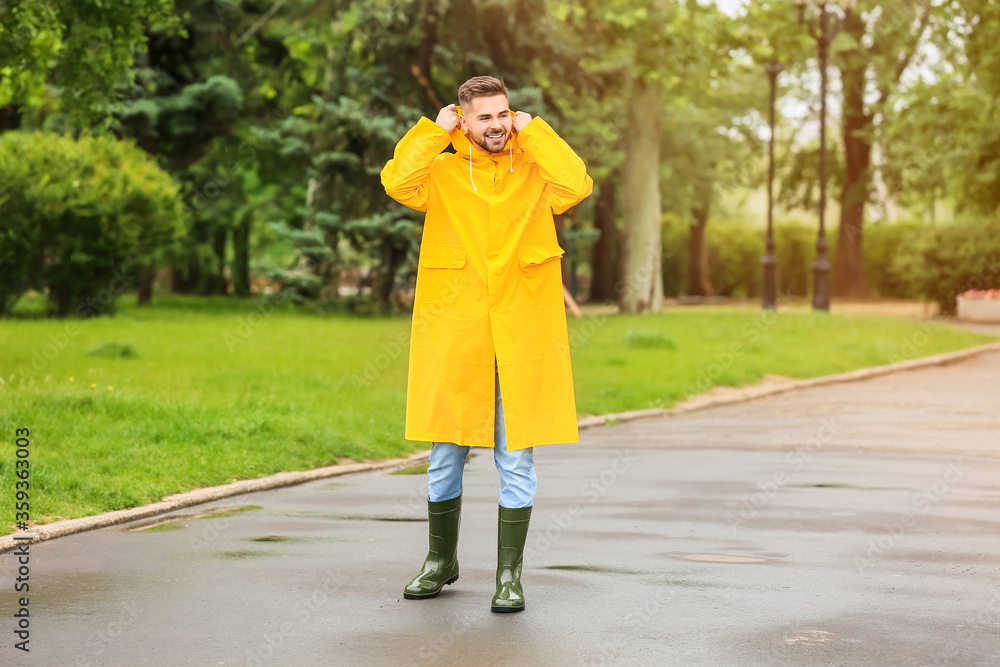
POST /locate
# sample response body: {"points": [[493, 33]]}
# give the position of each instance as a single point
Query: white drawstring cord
{"points": [[472, 180], [470, 170]]}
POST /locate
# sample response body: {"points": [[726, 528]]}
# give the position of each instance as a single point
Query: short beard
{"points": [[486, 147]]}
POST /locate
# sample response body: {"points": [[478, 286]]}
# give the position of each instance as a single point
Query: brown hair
{"points": [[481, 86]]}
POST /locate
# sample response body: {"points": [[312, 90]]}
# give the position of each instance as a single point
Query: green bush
{"points": [[675, 255], [882, 243], [75, 213], [906, 260], [795, 249], [939, 263], [735, 252], [734, 255]]}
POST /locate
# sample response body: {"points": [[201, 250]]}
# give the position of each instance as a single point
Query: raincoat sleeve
{"points": [[406, 176], [562, 169]]}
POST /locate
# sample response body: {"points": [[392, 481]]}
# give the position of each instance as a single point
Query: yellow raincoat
{"points": [[489, 286]]}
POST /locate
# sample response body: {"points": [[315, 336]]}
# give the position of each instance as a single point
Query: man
{"points": [[489, 287]]}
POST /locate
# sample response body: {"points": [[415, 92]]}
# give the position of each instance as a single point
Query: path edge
{"points": [[762, 392], [177, 501]]}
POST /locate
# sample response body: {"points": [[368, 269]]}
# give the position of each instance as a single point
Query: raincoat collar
{"points": [[471, 151]]}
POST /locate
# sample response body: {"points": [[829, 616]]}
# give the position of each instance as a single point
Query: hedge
{"points": [[74, 213], [903, 260]]}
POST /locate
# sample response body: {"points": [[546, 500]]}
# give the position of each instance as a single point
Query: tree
{"points": [[945, 138], [77, 214], [367, 76], [84, 49], [634, 39], [877, 44]]}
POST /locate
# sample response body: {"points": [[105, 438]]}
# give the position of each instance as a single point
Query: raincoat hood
{"points": [[471, 151]]}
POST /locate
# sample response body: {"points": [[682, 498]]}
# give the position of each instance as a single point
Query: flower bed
{"points": [[979, 306]]}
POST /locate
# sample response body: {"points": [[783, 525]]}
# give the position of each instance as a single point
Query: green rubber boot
{"points": [[512, 531], [441, 565]]}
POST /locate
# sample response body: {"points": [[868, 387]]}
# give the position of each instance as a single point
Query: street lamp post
{"points": [[770, 262], [824, 34]]}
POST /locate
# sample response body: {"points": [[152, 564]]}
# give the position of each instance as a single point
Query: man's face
{"points": [[487, 120]]}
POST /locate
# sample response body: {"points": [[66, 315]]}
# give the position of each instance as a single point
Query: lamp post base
{"points": [[769, 300], [821, 285]]}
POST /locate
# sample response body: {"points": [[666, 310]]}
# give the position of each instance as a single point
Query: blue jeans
{"points": [[517, 469]]}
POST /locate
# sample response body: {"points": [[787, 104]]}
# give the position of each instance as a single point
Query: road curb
{"points": [[199, 496], [196, 497], [749, 393]]}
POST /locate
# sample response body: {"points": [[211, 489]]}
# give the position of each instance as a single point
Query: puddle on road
{"points": [[808, 638], [418, 469], [170, 522], [242, 554], [159, 526], [352, 517], [594, 568], [275, 538], [721, 558], [833, 485]]}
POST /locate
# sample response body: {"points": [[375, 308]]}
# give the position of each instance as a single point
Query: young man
{"points": [[489, 288]]}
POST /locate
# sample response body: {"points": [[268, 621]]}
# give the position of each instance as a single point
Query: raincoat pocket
{"points": [[541, 276], [538, 254], [442, 275]]}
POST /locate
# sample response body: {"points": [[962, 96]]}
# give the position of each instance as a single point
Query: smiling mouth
{"points": [[496, 136]]}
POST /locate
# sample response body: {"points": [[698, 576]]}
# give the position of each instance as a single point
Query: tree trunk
{"points": [[240, 269], [385, 280], [641, 287], [849, 268], [699, 281], [146, 276], [603, 261], [10, 117], [425, 51], [215, 280], [185, 270]]}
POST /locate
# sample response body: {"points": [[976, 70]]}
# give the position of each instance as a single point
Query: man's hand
{"points": [[521, 119], [448, 118]]}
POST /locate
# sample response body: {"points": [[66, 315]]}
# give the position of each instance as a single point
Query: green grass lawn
{"points": [[198, 392]]}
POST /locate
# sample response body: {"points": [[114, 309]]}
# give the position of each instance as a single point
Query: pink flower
{"points": [[980, 294]]}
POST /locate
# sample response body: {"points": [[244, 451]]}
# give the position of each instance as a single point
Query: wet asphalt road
{"points": [[853, 524]]}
